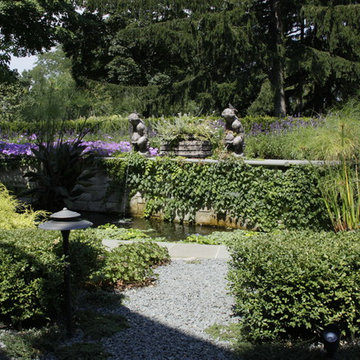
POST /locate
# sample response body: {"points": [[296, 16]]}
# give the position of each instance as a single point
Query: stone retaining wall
{"points": [[101, 197]]}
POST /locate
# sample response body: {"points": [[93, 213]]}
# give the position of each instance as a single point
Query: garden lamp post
{"points": [[331, 339], [64, 221]]}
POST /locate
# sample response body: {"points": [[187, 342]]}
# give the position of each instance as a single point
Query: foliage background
{"points": [[256, 197], [164, 57], [176, 56]]}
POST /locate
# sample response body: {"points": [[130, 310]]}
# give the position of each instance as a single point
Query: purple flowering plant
{"points": [[23, 145], [284, 125]]}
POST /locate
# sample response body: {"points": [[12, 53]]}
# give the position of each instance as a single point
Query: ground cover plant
{"points": [[131, 264], [111, 231], [217, 237]]}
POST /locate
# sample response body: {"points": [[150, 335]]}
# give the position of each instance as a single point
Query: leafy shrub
{"points": [[111, 231], [292, 284], [31, 272], [217, 237], [86, 256], [131, 264], [13, 214], [30, 276]]}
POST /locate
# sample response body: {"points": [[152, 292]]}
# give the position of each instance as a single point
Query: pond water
{"points": [[153, 227]]}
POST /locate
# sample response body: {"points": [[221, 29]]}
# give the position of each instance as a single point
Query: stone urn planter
{"points": [[187, 148]]}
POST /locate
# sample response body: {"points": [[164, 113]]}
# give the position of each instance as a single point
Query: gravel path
{"points": [[167, 321]]}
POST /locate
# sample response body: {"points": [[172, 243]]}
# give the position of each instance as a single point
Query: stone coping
{"points": [[264, 162]]}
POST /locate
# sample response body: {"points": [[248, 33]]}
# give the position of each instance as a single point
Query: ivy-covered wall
{"points": [[256, 197]]}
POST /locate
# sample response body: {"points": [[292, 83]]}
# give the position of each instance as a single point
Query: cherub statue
{"points": [[235, 134], [139, 139]]}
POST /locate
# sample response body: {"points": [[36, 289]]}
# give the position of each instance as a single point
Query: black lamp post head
{"points": [[65, 220]]}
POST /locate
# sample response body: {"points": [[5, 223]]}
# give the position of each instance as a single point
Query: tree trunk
{"points": [[278, 62]]}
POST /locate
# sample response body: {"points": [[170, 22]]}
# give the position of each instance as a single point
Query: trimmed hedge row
{"points": [[31, 273], [120, 125], [31, 270], [257, 197], [110, 124], [290, 285]]}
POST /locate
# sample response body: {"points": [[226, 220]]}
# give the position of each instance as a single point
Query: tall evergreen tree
{"points": [[331, 56], [179, 55], [197, 55], [276, 21]]}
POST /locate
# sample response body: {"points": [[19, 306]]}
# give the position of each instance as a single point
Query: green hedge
{"points": [[258, 197], [119, 124], [292, 284], [31, 272], [30, 276], [107, 124]]}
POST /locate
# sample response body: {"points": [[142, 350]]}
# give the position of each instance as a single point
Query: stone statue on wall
{"points": [[139, 138], [234, 132]]}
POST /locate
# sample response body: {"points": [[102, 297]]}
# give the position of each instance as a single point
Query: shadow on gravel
{"points": [[150, 340], [3, 356]]}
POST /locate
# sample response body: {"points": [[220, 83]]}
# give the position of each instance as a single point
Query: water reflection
{"points": [[155, 228]]}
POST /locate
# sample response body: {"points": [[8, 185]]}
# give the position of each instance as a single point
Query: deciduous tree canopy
{"points": [[28, 27]]}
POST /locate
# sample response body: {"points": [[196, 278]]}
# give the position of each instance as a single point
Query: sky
{"points": [[24, 63]]}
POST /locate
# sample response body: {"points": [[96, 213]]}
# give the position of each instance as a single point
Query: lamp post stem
{"points": [[67, 289]]}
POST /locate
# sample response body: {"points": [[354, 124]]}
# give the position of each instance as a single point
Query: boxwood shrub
{"points": [[31, 273], [290, 285], [30, 276], [31, 270]]}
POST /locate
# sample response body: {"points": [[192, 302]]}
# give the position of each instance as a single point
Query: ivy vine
{"points": [[258, 197]]}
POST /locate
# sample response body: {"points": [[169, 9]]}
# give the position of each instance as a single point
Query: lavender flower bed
{"points": [[23, 147], [284, 125]]}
